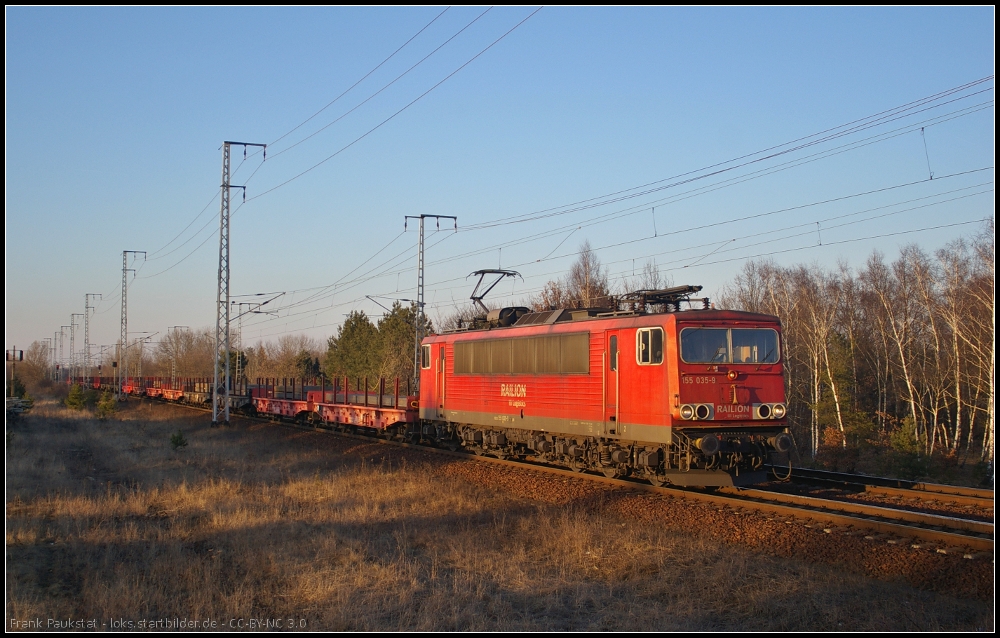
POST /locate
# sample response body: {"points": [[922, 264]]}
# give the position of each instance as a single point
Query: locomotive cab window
{"points": [[425, 357], [755, 346], [613, 348], [649, 346]]}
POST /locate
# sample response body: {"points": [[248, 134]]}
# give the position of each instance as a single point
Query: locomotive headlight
{"points": [[779, 410], [687, 412]]}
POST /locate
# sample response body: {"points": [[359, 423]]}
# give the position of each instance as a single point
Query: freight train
{"points": [[690, 397]]}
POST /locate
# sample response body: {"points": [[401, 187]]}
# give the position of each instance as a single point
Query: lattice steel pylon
{"points": [[418, 321], [62, 359], [48, 374], [220, 391], [173, 354], [123, 343], [86, 334], [72, 343]]}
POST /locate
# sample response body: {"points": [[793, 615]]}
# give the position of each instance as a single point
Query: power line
{"points": [[673, 199], [388, 119], [758, 234], [210, 202], [392, 263], [373, 95], [295, 128], [185, 257], [432, 88], [619, 195], [401, 257], [348, 90], [623, 274], [356, 140], [774, 212], [755, 256], [311, 313], [844, 241], [883, 115]]}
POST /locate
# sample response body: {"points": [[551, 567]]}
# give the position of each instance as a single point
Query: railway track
{"points": [[948, 534], [899, 525], [881, 486]]}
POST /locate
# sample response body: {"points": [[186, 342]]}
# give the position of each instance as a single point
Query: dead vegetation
{"points": [[105, 520]]}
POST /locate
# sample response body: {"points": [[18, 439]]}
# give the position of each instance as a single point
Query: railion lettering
{"points": [[516, 390]]}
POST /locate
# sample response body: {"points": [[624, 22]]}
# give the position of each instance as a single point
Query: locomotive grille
{"points": [[555, 354]]}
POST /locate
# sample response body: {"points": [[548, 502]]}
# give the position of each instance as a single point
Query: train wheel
{"points": [[610, 472], [656, 482]]}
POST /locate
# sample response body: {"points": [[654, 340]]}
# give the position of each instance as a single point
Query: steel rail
{"points": [[900, 487], [958, 499], [864, 509]]}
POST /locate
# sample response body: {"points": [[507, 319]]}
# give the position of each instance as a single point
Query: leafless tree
{"points": [[585, 286], [911, 341]]}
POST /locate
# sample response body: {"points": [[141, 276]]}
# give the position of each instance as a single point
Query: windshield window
{"points": [[755, 346], [719, 345], [705, 345]]}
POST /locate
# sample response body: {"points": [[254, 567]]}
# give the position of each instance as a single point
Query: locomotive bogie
{"points": [[731, 459]]}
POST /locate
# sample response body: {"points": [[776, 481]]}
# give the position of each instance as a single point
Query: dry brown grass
{"points": [[105, 521]]}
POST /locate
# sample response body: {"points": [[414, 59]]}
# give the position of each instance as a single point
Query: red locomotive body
{"points": [[690, 398]]}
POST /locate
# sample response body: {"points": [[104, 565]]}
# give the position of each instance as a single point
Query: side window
{"points": [[425, 357], [613, 352], [649, 346]]}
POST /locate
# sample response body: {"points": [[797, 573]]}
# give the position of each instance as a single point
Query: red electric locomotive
{"points": [[692, 397]]}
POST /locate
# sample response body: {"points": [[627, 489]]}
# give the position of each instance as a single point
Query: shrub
{"points": [[177, 440], [90, 397], [17, 388], [907, 458], [106, 407], [75, 400], [983, 473]]}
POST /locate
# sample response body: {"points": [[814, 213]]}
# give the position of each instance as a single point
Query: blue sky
{"points": [[115, 118]]}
